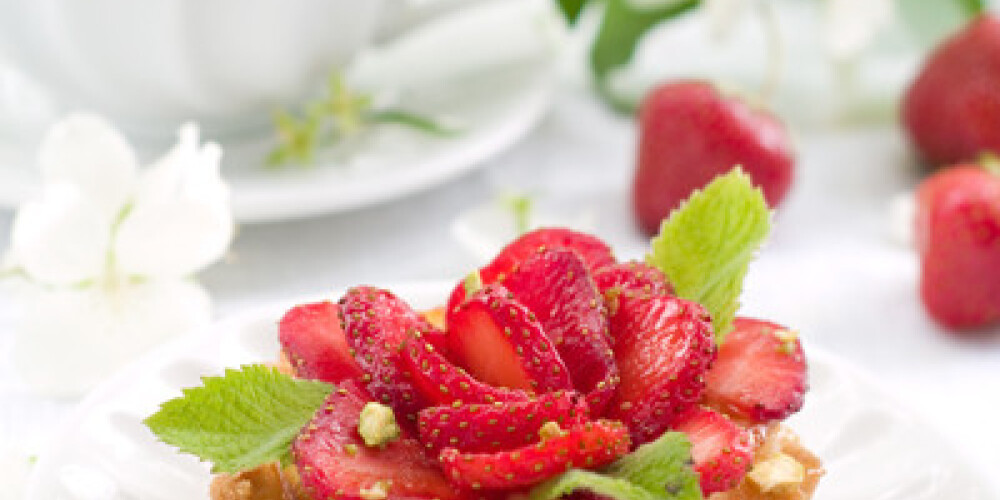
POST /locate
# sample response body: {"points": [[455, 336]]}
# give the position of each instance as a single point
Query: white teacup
{"points": [[153, 64]]}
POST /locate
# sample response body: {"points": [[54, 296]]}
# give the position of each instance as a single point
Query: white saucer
{"points": [[871, 447], [487, 68]]}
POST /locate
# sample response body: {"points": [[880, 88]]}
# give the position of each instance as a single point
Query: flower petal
{"points": [[85, 150], [180, 221], [62, 238], [173, 238], [15, 467], [851, 25], [67, 340], [723, 16], [903, 219]]}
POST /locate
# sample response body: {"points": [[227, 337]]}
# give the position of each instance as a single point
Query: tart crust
{"points": [[271, 482]]}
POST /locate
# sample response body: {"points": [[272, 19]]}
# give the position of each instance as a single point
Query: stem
{"points": [[472, 284], [774, 54], [414, 121], [12, 272], [521, 207], [990, 162]]}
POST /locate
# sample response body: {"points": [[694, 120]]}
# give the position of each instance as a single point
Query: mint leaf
{"points": [[571, 9], [662, 467], [660, 470], [623, 25], [243, 419], [929, 21], [705, 246], [576, 479]]}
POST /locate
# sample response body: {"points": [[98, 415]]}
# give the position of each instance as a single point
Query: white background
{"points": [[830, 268]]}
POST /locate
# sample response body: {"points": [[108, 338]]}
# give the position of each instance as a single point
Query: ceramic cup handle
{"points": [[401, 16]]}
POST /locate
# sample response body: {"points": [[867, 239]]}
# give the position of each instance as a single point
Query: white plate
{"points": [[487, 68], [872, 448]]}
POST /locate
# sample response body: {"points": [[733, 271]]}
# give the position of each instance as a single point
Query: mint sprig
{"points": [[241, 420], [660, 470], [705, 246]]}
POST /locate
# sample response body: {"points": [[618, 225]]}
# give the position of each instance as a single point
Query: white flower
{"points": [[852, 25], [15, 466], [69, 339], [723, 16], [903, 219], [107, 251]]}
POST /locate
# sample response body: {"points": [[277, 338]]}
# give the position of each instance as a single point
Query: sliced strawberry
{"points": [[499, 426], [500, 342], [333, 461], [314, 343], [594, 252], [663, 346], [634, 276], [588, 445], [722, 451], [377, 324], [439, 382], [759, 374], [556, 285]]}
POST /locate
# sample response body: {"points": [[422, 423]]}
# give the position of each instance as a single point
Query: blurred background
{"points": [[407, 141]]}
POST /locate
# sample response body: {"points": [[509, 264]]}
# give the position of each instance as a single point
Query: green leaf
{"points": [[571, 9], [660, 470], [243, 419], [622, 27], [662, 467], [705, 246], [576, 479], [932, 20]]}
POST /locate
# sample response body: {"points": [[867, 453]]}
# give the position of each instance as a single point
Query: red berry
{"points": [[689, 133], [557, 287], [314, 343], [439, 382], [587, 446], [498, 426], [501, 342], [958, 234], [632, 276], [722, 451], [759, 373], [663, 346], [594, 252], [377, 324], [952, 109], [333, 461]]}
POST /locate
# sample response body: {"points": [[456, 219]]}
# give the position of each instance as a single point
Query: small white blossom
{"points": [[107, 252], [852, 25]]}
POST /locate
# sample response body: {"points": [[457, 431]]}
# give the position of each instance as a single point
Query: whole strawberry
{"points": [[958, 235], [952, 109], [689, 133]]}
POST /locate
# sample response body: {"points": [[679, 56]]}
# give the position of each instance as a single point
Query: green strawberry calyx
{"points": [[990, 162]]}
